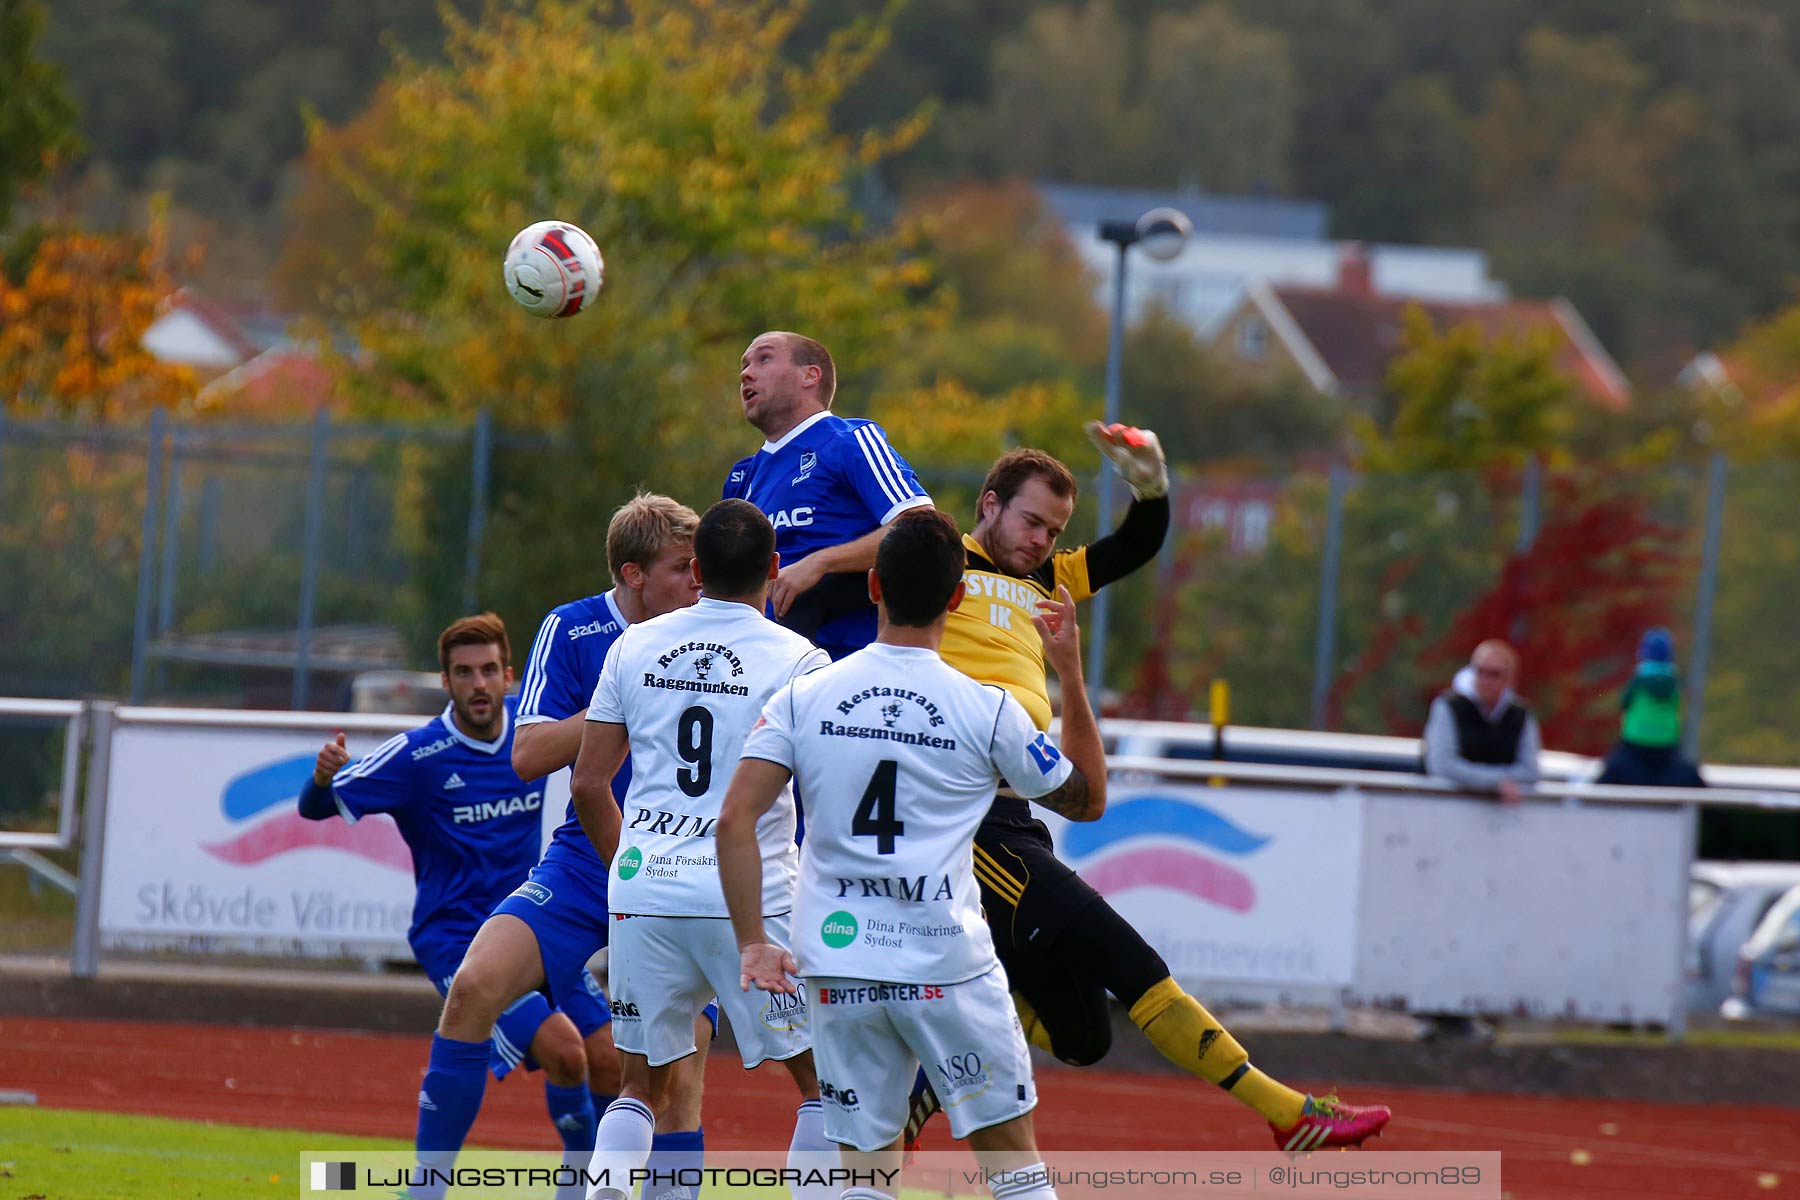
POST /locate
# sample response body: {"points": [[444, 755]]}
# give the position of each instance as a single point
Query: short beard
{"points": [[466, 721], [1036, 566]]}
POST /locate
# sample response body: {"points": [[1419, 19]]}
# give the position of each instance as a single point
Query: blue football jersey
{"points": [[566, 657], [471, 823], [829, 481]]}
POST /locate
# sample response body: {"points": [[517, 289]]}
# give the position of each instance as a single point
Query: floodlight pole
{"points": [[1122, 234]]}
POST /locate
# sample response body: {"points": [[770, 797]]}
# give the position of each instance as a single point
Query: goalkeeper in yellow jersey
{"points": [[1062, 944]]}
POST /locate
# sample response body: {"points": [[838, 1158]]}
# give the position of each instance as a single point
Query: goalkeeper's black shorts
{"points": [[1063, 946]]}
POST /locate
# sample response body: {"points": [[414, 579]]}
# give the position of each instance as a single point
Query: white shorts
{"points": [[869, 1040], [665, 970]]}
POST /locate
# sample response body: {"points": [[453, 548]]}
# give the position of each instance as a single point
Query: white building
{"points": [[1240, 241]]}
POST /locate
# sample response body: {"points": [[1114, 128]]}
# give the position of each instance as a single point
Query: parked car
{"points": [[1726, 900], [1767, 980]]}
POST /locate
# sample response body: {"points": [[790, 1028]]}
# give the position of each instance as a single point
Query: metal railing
{"points": [[1308, 583], [73, 716], [1567, 791], [1383, 766]]}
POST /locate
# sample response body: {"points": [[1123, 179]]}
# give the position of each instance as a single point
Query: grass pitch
{"points": [[57, 1154], [62, 1155]]}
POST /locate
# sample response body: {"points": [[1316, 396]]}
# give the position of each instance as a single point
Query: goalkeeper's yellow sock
{"points": [[1190, 1037], [1035, 1033]]}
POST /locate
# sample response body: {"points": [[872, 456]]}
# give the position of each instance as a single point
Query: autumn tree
{"points": [[1462, 398], [1219, 96], [1060, 100], [73, 309], [37, 119], [1196, 97], [1437, 553], [1757, 409], [1422, 187], [1242, 615], [73, 312], [998, 252], [705, 166], [1753, 416]]}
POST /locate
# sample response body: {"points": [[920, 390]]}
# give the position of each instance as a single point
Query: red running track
{"points": [[364, 1083]]}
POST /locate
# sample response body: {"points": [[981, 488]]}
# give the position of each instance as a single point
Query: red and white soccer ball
{"points": [[554, 269]]}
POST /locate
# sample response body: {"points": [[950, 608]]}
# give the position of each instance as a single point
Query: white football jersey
{"points": [[688, 686], [896, 756]]}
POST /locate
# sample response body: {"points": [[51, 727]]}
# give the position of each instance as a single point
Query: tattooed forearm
{"points": [[1074, 799]]}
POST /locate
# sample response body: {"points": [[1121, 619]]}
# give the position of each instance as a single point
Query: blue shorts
{"points": [[565, 906], [566, 910], [511, 1044], [586, 1004]]}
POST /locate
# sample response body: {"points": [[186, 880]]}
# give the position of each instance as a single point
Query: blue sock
{"points": [[674, 1152], [572, 1112], [455, 1078]]}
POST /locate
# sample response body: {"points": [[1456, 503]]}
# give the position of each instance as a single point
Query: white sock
{"points": [[1023, 1183], [810, 1151], [621, 1146]]}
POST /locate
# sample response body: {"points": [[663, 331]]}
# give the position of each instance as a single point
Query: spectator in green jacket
{"points": [[1648, 752]]}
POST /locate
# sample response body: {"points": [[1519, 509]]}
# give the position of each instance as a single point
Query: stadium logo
{"points": [[262, 808], [839, 930], [630, 863], [437, 747], [1154, 841]]}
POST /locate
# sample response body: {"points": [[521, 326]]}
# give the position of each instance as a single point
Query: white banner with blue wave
{"points": [[205, 848], [1230, 884]]}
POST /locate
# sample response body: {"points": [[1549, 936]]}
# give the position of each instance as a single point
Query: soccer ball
{"points": [[554, 269]]}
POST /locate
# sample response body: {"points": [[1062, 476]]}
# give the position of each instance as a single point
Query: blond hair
{"points": [[645, 526]]}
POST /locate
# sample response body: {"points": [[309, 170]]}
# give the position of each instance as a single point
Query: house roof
{"points": [[1354, 334], [192, 329], [1250, 216], [277, 382]]}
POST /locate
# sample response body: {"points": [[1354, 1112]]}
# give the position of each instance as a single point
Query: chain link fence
{"points": [[268, 566]]}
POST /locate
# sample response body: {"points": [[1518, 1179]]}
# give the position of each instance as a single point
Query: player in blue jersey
{"points": [[828, 484], [544, 933], [473, 827], [649, 551]]}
